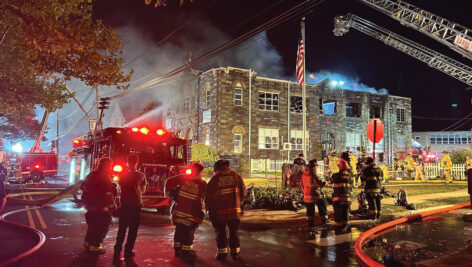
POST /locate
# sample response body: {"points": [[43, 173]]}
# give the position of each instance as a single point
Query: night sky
{"points": [[353, 55]]}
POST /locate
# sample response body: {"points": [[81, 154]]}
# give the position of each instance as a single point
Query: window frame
{"points": [[352, 104], [238, 148], [238, 94], [296, 139], [274, 107], [400, 115], [322, 110], [273, 138]]}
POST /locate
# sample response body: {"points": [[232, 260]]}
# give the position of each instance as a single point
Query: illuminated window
{"points": [[296, 138], [206, 136], [238, 95], [238, 143], [269, 101], [268, 138]]}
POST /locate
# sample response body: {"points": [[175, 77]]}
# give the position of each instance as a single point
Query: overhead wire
{"points": [[454, 124], [82, 103], [287, 15]]}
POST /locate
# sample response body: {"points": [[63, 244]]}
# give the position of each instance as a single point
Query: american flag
{"points": [[300, 60]]}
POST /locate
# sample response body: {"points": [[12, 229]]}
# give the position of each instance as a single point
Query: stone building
{"points": [[256, 122]]}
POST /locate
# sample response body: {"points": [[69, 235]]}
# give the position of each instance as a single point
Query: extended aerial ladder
{"points": [[452, 34], [434, 59]]}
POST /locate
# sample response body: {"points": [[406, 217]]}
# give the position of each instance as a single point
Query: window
{"points": [[186, 104], [238, 143], [238, 95], [207, 95], [353, 142], [327, 107], [353, 109], [400, 141], [296, 138], [268, 138], [376, 112], [417, 138], [296, 104], [269, 101], [400, 114], [449, 139]]}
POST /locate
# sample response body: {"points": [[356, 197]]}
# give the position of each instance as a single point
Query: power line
{"points": [[459, 121], [294, 12], [431, 118]]}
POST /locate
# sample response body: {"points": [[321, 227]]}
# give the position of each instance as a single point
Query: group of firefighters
{"points": [[370, 175], [222, 197]]}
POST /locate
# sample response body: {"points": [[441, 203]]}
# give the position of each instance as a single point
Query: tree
{"points": [[458, 156], [205, 154], [44, 43]]}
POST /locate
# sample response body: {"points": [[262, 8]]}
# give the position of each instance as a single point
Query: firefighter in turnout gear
{"points": [[410, 165], [353, 165], [446, 164], [372, 175], [342, 184], [98, 196], [225, 193], [187, 193], [468, 163], [311, 186], [333, 162]]}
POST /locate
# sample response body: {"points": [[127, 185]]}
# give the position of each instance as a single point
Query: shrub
{"points": [[208, 171], [204, 154], [458, 156]]}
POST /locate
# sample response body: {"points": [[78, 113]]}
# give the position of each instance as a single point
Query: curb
{"points": [[368, 235], [420, 182], [41, 237]]}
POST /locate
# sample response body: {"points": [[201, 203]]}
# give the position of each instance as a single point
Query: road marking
{"points": [[40, 218], [30, 217]]}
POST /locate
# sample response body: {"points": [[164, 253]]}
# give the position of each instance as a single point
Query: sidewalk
{"points": [[271, 219]]}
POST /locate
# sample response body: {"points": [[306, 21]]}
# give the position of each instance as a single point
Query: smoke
{"points": [[348, 82]]}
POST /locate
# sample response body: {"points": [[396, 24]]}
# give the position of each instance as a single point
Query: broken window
{"points": [[269, 101], [353, 109], [296, 104], [327, 107], [376, 112]]}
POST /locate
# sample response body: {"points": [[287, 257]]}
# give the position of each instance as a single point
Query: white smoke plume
{"points": [[348, 82]]}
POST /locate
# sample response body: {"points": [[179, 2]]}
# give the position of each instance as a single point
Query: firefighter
{"points": [[326, 171], [99, 193], [342, 184], [468, 163], [187, 193], [359, 166], [225, 193], [353, 165], [300, 160], [372, 175], [419, 168], [410, 165], [446, 164], [311, 186], [333, 162]]}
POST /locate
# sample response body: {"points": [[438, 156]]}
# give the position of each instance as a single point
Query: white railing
{"points": [[433, 170]]}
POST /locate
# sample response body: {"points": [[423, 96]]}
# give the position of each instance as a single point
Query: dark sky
{"points": [[354, 54]]}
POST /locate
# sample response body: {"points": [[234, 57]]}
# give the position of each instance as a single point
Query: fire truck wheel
{"points": [[36, 176]]}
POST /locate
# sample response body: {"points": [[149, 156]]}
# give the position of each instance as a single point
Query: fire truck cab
{"points": [[161, 155]]}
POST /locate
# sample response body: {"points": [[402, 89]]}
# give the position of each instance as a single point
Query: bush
{"points": [[208, 171], [204, 154], [458, 156]]}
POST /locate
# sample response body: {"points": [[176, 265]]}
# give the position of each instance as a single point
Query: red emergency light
{"points": [[76, 142], [160, 132], [144, 130], [117, 168], [135, 129], [188, 171], [37, 166]]}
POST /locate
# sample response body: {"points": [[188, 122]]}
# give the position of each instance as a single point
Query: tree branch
{"points": [[4, 34]]}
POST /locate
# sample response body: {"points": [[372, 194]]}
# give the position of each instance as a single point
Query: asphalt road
{"points": [[64, 225]]}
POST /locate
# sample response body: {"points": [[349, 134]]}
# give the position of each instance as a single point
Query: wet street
{"points": [[64, 225]]}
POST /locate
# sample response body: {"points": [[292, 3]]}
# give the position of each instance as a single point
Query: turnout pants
{"points": [[447, 173], [184, 235], [322, 210], [375, 206], [98, 223], [129, 218], [341, 214], [419, 173], [222, 237]]}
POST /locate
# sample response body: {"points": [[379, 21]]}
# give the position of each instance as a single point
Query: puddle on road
{"points": [[67, 206], [436, 236]]}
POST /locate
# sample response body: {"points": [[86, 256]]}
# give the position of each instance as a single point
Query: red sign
{"points": [[379, 130]]}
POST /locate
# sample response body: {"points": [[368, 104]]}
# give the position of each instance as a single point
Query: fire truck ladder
{"points": [[434, 59], [37, 142], [454, 35]]}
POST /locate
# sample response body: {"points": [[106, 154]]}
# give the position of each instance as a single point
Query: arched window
{"points": [[238, 132], [206, 136], [328, 143], [207, 95], [238, 94]]}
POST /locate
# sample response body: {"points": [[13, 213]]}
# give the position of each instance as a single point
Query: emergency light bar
{"points": [[117, 168]]}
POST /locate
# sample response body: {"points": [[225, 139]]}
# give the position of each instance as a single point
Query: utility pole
{"points": [[98, 125], [57, 132]]}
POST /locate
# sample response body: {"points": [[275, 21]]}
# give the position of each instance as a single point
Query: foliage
{"points": [[149, 106], [158, 3], [205, 154], [270, 198], [458, 156], [208, 171], [44, 43]]}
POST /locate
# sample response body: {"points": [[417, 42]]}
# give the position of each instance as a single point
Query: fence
{"points": [[433, 170]]}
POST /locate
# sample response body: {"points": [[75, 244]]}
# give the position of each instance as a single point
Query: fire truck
{"points": [[161, 155]]}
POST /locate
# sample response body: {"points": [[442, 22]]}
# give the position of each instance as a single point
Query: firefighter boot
{"points": [[189, 256], [177, 252]]}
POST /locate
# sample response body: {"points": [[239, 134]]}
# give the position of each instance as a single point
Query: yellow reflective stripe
{"points": [[235, 250], [372, 190], [229, 211], [176, 244], [187, 216], [371, 178], [340, 199], [186, 247], [222, 250], [341, 185], [188, 195]]}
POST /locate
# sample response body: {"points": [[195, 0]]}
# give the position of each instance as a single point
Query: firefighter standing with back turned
{"points": [[311, 186], [187, 193], [342, 184], [225, 194], [372, 176], [99, 198]]}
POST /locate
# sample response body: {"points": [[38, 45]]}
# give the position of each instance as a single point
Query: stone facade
{"points": [[336, 119]]}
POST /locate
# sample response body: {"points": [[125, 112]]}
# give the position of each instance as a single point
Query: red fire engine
{"points": [[161, 155]]}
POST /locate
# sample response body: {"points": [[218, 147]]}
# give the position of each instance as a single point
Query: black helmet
{"points": [[369, 160], [312, 163]]}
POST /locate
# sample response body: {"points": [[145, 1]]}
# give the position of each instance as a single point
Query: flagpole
{"points": [[302, 24]]}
